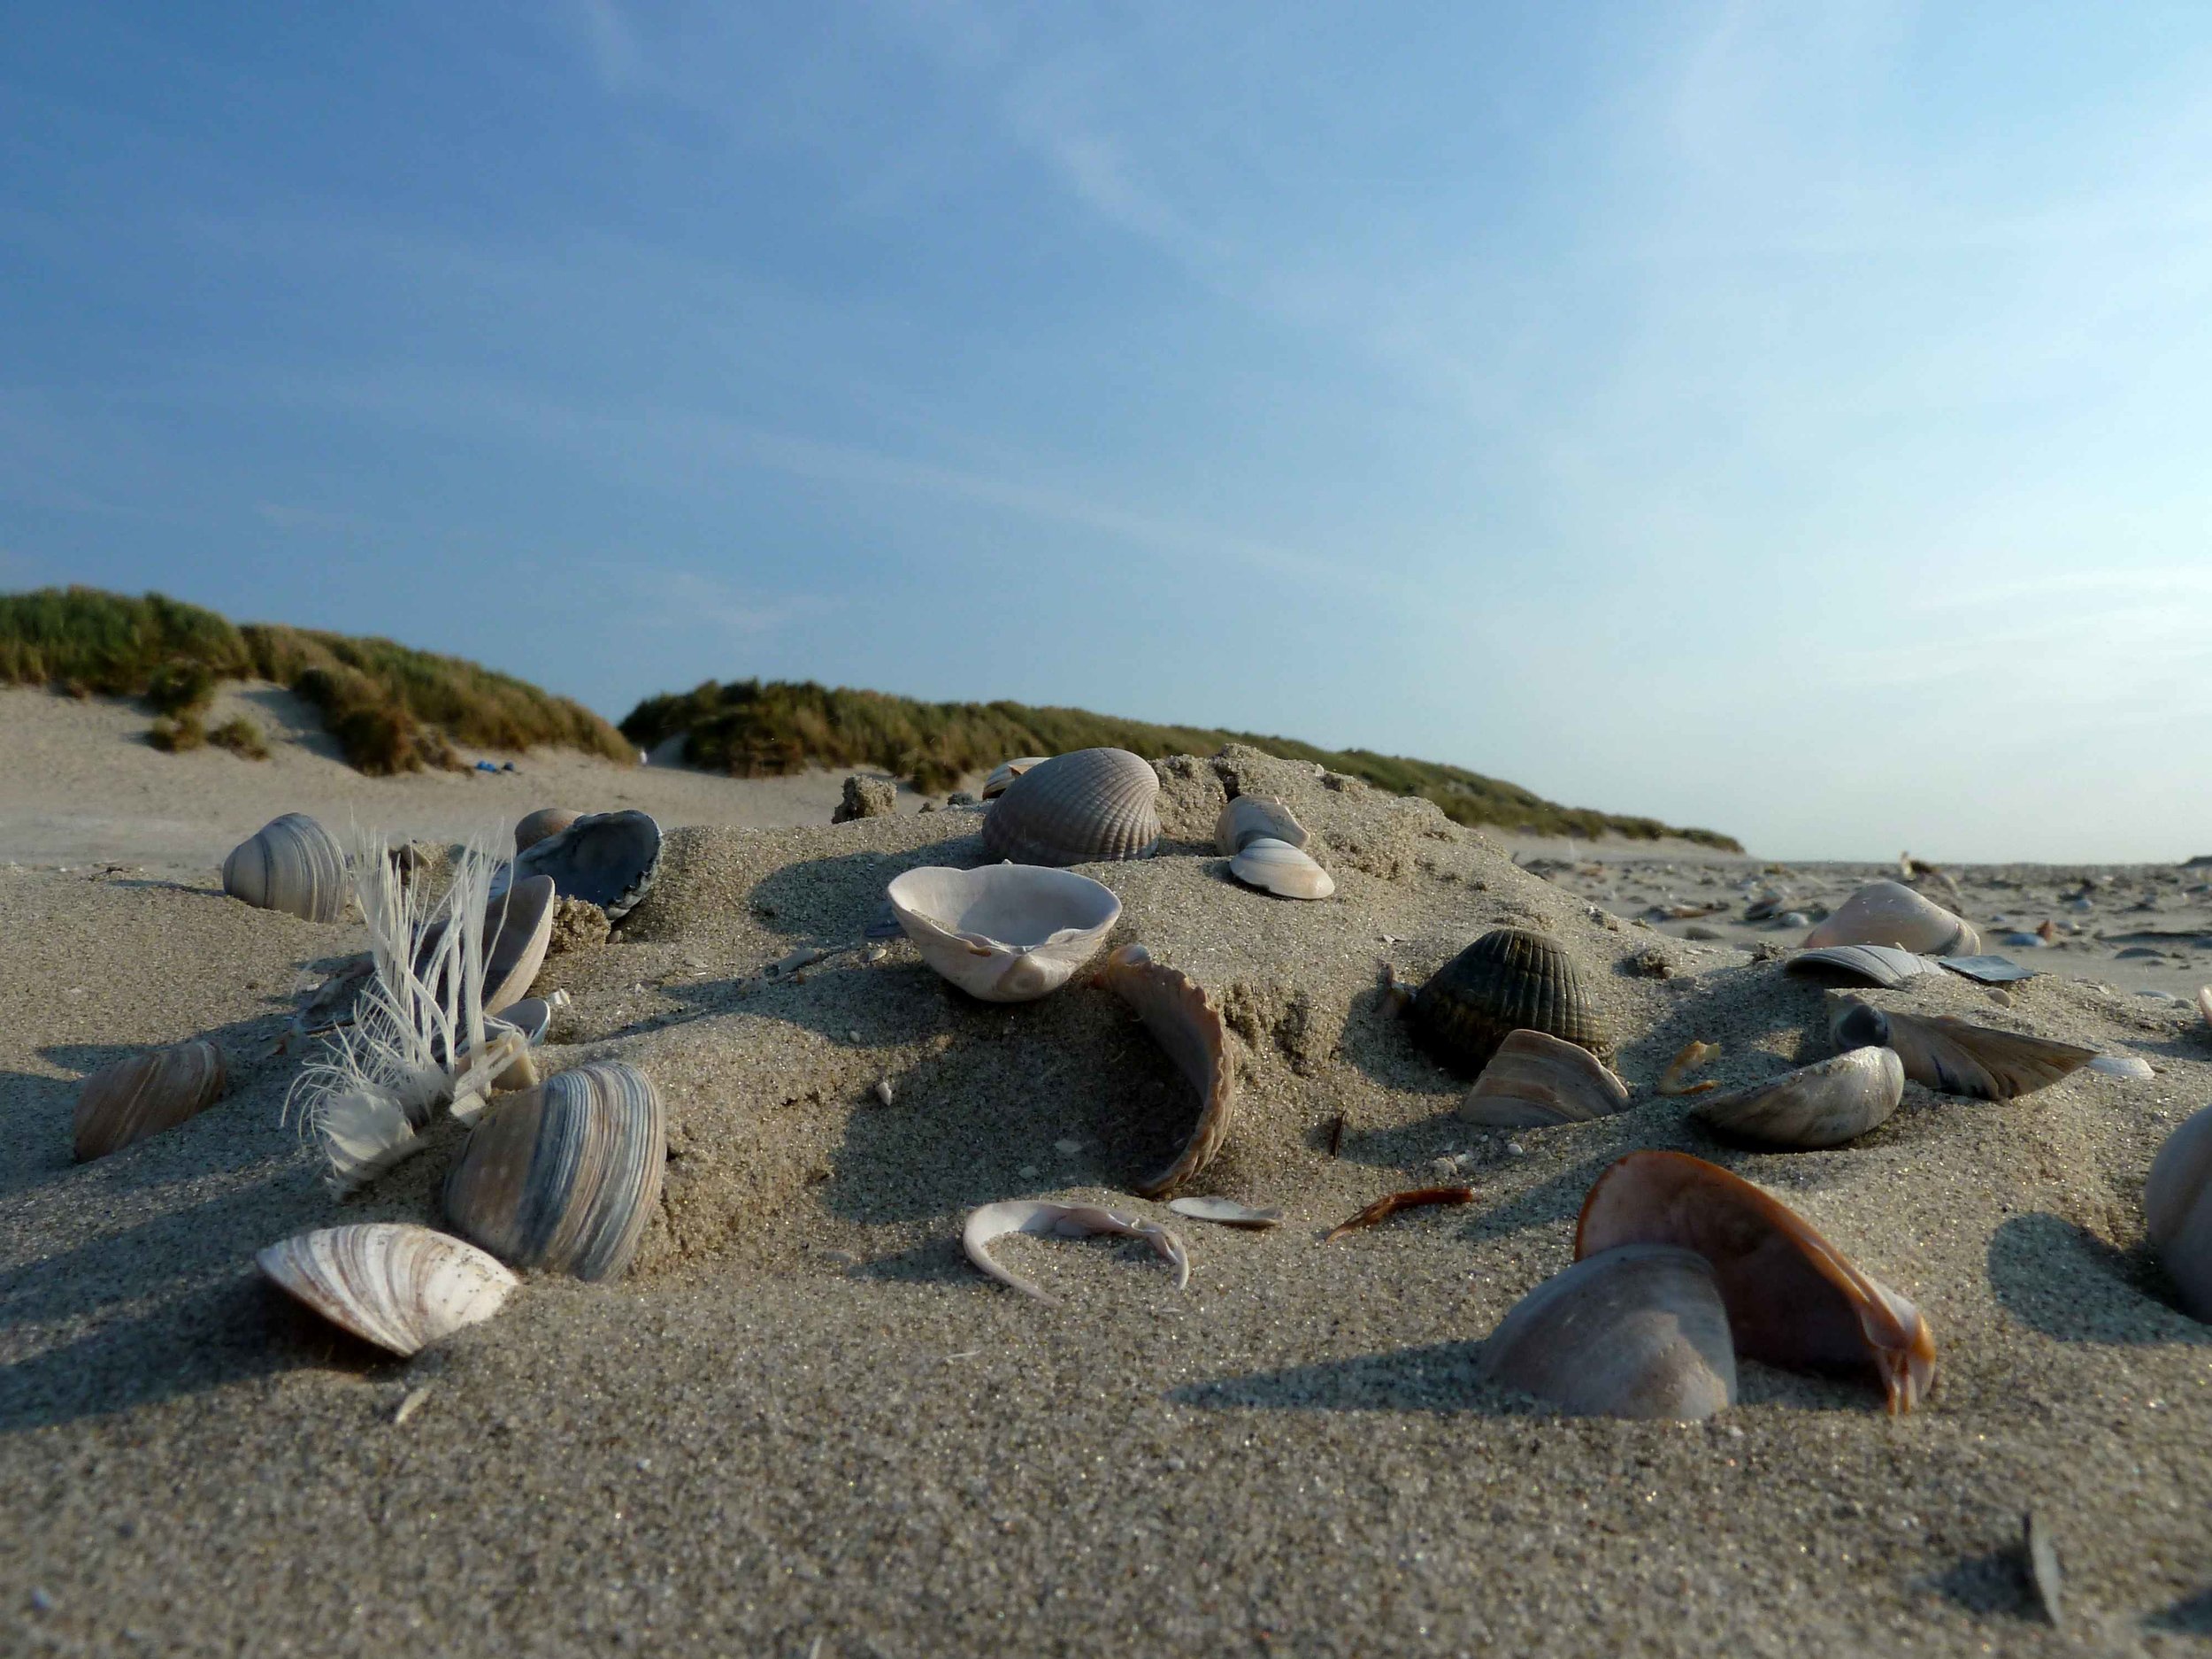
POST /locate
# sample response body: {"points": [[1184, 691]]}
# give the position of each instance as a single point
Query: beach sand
{"points": [[804, 1425]]}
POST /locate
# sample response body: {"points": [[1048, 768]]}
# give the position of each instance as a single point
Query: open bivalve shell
{"points": [[1534, 1080], [144, 1094], [604, 858], [1509, 979], [1794, 1299], [1005, 933], [2177, 1209], [1636, 1332], [1248, 817], [1092, 806], [1884, 966], [1826, 1104], [1006, 771], [1886, 913], [1066, 1221], [1280, 869], [1181, 1018], [564, 1177], [400, 1287], [1953, 1055], [291, 863], [547, 820]]}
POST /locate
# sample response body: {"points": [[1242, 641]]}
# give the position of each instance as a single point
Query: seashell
{"points": [[1823, 1105], [144, 1094], [2204, 1002], [2041, 1553], [1534, 1080], [547, 820], [532, 1016], [2177, 1209], [1226, 1213], [1005, 933], [1246, 818], [518, 927], [334, 1002], [1281, 869], [1958, 1058], [1793, 1299], [1088, 807], [1636, 1332], [1691, 1056], [604, 858], [400, 1287], [1884, 966], [290, 864], [1509, 979], [1987, 969], [1885, 913], [1066, 1221], [2132, 1066], [522, 1025], [564, 1176], [1184, 1022], [1006, 771]]}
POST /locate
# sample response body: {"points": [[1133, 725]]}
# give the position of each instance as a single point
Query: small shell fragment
{"points": [[2132, 1066], [1249, 817], [2041, 1556], [1226, 1213], [1176, 1009], [1534, 1080], [143, 1093], [1007, 771], [1988, 970], [398, 1285], [1280, 868], [1066, 1221], [1694, 1055]]}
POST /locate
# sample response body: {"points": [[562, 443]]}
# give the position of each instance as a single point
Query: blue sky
{"points": [[1789, 418]]}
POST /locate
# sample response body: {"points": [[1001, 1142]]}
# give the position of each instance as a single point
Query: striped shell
{"points": [[1637, 1331], [1088, 807], [1885, 913], [1280, 868], [1509, 979], [144, 1094], [605, 858], [564, 1177], [547, 820], [1534, 1080], [1837, 1100], [400, 1287], [1884, 966], [292, 864], [518, 927], [1248, 817], [2177, 1207], [1182, 1019]]}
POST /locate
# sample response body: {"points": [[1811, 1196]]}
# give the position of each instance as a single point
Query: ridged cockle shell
{"points": [[1089, 807], [1509, 979]]}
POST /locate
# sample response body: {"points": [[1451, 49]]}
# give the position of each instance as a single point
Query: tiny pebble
{"points": [[1514, 1149], [1028, 1171], [1067, 1148], [411, 1405], [852, 1036], [883, 1090]]}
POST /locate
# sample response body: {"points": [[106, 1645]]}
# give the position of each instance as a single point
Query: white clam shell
{"points": [[1183, 1020], [2204, 1002], [1281, 869], [291, 863], [1226, 1213], [400, 1287], [144, 1094], [1007, 771], [1636, 1332], [1088, 807], [1885, 913], [1006, 933], [1535, 1079], [1248, 817], [2132, 1066], [2177, 1209], [1067, 1221], [1955, 1056], [1837, 1100]]}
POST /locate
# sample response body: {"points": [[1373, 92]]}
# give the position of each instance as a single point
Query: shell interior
{"points": [[1183, 1021], [604, 858], [1006, 933], [1066, 1221]]}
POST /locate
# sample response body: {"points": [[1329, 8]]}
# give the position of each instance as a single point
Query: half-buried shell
{"points": [[1280, 868], [1884, 966], [564, 1177], [1636, 1332], [1886, 913], [1007, 771], [1246, 818], [2177, 1207], [291, 863], [518, 930], [1534, 1080], [1953, 1055], [1066, 1221], [400, 1287], [604, 858], [1794, 1299], [1005, 933], [1181, 1018], [1826, 1104], [144, 1094], [547, 820], [1509, 979], [1089, 807]]}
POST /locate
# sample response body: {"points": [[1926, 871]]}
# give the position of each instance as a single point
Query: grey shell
{"points": [[1822, 1105], [293, 864], [605, 858], [1089, 807]]}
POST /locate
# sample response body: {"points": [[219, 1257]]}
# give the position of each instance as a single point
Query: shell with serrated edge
{"points": [[1093, 806]]}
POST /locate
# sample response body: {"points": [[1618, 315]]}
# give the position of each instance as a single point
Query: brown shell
{"points": [[1956, 1056], [1176, 1010], [290, 864], [1509, 979], [1088, 807], [547, 820], [144, 1094]]}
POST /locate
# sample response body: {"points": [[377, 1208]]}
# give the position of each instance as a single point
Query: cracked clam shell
{"points": [[1824, 1105], [2177, 1209], [1509, 979], [604, 858], [1092, 806], [1005, 933], [1280, 869], [1534, 1080], [1184, 1022], [1794, 1299], [1887, 913], [564, 1177], [1955, 1056], [398, 1285], [1246, 818], [291, 863], [1007, 771], [1635, 1332], [144, 1094], [547, 820]]}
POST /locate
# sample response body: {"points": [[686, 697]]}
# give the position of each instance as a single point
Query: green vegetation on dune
{"points": [[389, 707], [763, 730]]}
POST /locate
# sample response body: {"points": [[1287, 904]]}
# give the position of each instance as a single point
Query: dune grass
{"points": [[753, 729], [389, 707]]}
